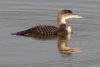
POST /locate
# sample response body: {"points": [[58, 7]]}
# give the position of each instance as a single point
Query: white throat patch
{"points": [[69, 29], [63, 21], [69, 32]]}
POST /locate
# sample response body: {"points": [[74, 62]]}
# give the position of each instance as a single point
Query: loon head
{"points": [[64, 15]]}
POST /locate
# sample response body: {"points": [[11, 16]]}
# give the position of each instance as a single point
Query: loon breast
{"points": [[41, 30]]}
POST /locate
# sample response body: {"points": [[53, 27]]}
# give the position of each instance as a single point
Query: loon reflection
{"points": [[63, 46], [62, 43]]}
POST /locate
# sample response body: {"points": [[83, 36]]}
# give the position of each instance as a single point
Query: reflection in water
{"points": [[62, 43], [63, 49]]}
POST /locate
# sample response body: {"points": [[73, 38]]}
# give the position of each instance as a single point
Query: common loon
{"points": [[46, 30]]}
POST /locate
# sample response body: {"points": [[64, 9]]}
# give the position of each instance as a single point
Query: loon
{"points": [[46, 30]]}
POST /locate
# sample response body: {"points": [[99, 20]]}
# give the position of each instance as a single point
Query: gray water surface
{"points": [[17, 15]]}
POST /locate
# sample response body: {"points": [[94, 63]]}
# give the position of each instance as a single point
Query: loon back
{"points": [[41, 30]]}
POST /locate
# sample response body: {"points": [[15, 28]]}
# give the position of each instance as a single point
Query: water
{"points": [[17, 15]]}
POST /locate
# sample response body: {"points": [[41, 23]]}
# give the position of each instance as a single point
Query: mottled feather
{"points": [[41, 30]]}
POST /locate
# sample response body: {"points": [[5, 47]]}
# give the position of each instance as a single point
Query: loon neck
{"points": [[62, 21], [66, 27], [69, 29]]}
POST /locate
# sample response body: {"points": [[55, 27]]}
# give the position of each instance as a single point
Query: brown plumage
{"points": [[41, 30], [48, 31]]}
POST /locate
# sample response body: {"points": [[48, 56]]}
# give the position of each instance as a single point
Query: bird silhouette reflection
{"points": [[62, 42]]}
